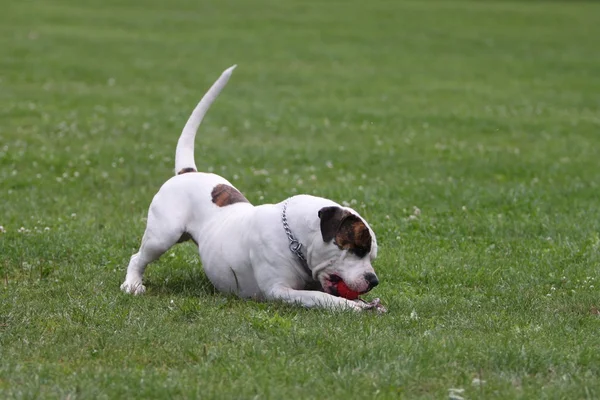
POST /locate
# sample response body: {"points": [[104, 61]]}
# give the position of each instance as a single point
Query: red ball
{"points": [[345, 292]]}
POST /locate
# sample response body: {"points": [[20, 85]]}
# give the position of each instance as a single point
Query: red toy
{"points": [[345, 292]]}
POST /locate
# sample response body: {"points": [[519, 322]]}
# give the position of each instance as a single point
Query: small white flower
{"points": [[416, 211], [46, 229], [414, 315], [477, 382], [2, 230], [412, 217], [455, 394], [73, 215], [21, 229], [329, 164]]}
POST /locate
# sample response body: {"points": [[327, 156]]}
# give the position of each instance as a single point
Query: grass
{"points": [[484, 115]]}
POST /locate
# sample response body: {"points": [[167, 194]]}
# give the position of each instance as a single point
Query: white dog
{"points": [[296, 251]]}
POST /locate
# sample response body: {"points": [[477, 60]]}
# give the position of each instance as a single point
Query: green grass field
{"points": [[485, 115]]}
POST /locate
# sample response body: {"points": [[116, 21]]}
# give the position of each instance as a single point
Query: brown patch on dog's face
{"points": [[225, 195], [186, 170], [347, 230]]}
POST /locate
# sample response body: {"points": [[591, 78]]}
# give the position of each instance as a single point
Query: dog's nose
{"points": [[372, 279]]}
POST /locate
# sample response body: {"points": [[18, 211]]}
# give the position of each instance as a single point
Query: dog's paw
{"points": [[375, 304], [133, 288], [357, 305]]}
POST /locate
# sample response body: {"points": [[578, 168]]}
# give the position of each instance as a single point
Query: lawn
{"points": [[466, 132]]}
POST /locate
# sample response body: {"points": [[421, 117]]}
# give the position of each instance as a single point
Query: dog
{"points": [[296, 251]]}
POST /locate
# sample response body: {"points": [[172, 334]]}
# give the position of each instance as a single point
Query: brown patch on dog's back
{"points": [[186, 170], [225, 195], [347, 230]]}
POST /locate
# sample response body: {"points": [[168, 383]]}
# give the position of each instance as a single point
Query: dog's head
{"points": [[347, 248]]}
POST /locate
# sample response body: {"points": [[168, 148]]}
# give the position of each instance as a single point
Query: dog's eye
{"points": [[360, 252]]}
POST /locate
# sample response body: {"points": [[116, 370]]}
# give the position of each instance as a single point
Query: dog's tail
{"points": [[184, 154]]}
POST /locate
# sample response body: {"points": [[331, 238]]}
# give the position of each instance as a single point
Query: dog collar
{"points": [[295, 245]]}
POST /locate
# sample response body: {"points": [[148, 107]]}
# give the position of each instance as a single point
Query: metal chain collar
{"points": [[295, 245]]}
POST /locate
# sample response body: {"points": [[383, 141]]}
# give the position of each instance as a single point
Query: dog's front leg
{"points": [[310, 298]]}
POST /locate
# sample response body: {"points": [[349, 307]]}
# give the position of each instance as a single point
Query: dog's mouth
{"points": [[332, 283]]}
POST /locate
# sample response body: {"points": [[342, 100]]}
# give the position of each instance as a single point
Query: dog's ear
{"points": [[331, 220], [348, 230]]}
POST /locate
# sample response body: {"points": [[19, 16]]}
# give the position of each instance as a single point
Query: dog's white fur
{"points": [[244, 249]]}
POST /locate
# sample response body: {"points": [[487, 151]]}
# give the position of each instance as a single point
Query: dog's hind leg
{"points": [[159, 237]]}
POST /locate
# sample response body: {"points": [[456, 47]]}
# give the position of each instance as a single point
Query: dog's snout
{"points": [[372, 279]]}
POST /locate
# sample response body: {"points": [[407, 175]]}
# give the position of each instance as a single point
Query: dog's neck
{"points": [[301, 213], [295, 245]]}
